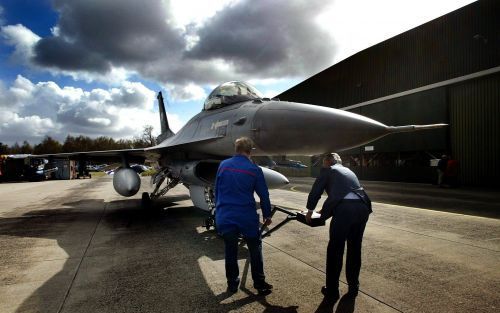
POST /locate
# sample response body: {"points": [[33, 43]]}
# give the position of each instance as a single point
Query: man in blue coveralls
{"points": [[236, 214]]}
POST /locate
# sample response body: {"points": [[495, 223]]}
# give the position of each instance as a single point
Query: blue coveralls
{"points": [[237, 180]]}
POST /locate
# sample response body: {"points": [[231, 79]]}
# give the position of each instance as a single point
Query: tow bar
{"points": [[300, 216]]}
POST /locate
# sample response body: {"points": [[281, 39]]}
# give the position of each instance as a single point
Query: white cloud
{"points": [[115, 76], [358, 24], [132, 94], [32, 128], [22, 39], [55, 31], [187, 92], [195, 12], [32, 110], [99, 121]]}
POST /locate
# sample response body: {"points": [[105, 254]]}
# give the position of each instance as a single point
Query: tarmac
{"points": [[77, 246]]}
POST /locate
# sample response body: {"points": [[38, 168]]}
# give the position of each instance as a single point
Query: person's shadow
{"points": [[252, 297], [134, 260]]}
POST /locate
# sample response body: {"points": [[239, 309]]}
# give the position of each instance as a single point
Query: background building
{"points": [[444, 71]]}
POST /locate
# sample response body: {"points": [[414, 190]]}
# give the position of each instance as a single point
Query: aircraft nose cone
{"points": [[297, 128]]}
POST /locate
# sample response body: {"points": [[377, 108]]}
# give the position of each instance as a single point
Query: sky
{"points": [[94, 67]]}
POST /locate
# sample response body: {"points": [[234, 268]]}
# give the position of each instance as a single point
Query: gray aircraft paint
{"points": [[278, 128]]}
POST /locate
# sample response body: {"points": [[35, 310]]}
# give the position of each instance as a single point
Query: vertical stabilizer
{"points": [[165, 129]]}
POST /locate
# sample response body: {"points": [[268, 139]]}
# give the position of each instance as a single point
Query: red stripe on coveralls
{"points": [[238, 171]]}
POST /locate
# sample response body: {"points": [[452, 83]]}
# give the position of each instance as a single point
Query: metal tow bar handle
{"points": [[291, 216]]}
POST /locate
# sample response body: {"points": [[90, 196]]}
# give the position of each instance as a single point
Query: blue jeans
{"points": [[231, 252]]}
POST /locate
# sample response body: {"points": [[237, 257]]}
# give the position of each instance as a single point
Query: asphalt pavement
{"points": [[475, 201], [77, 246]]}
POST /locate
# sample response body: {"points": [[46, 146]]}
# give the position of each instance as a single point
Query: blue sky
{"points": [[94, 67]]}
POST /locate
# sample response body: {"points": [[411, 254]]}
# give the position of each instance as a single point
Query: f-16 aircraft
{"points": [[232, 110]]}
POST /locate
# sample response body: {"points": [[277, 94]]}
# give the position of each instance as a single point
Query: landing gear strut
{"points": [[171, 183], [210, 199], [157, 180], [210, 222]]}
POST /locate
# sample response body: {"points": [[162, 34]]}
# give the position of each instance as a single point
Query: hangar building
{"points": [[444, 71]]}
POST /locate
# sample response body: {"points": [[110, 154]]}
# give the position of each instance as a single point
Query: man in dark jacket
{"points": [[349, 206], [236, 214]]}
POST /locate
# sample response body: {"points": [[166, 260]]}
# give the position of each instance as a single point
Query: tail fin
{"points": [[165, 129]]}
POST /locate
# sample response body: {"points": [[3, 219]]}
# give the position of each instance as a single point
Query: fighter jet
{"points": [[232, 110]]}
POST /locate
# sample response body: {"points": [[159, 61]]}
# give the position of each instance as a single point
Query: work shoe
{"points": [[263, 287], [330, 294]]}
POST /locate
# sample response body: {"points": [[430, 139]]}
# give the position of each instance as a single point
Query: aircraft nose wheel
{"points": [[210, 221]]}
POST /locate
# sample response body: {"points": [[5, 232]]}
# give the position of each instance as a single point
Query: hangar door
{"points": [[474, 108]]}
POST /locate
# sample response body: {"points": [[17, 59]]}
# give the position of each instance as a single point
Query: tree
{"points": [[4, 149], [147, 136], [84, 143], [69, 144], [125, 144], [104, 143], [48, 145], [26, 148], [81, 143], [15, 148]]}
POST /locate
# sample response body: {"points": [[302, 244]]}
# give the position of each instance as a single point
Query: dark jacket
{"points": [[337, 181], [442, 164]]}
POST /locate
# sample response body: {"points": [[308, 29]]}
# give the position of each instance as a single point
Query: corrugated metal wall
{"points": [[462, 42], [474, 108], [428, 107]]}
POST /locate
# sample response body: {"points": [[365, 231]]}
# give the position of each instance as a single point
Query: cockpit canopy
{"points": [[230, 93]]}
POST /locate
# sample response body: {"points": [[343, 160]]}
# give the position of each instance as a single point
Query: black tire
{"points": [[145, 201]]}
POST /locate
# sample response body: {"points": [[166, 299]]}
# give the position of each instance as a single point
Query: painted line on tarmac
{"points": [[293, 188], [437, 211], [81, 259], [434, 237], [320, 270]]}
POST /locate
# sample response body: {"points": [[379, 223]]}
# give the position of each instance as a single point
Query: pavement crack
{"points": [[81, 259]]}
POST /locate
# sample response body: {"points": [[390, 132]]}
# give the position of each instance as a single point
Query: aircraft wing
{"points": [[179, 144], [133, 155]]}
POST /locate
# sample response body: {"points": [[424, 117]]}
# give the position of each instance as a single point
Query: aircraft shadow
{"points": [[134, 260]]}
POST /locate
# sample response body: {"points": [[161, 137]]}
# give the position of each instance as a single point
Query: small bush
{"points": [[148, 172]]}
